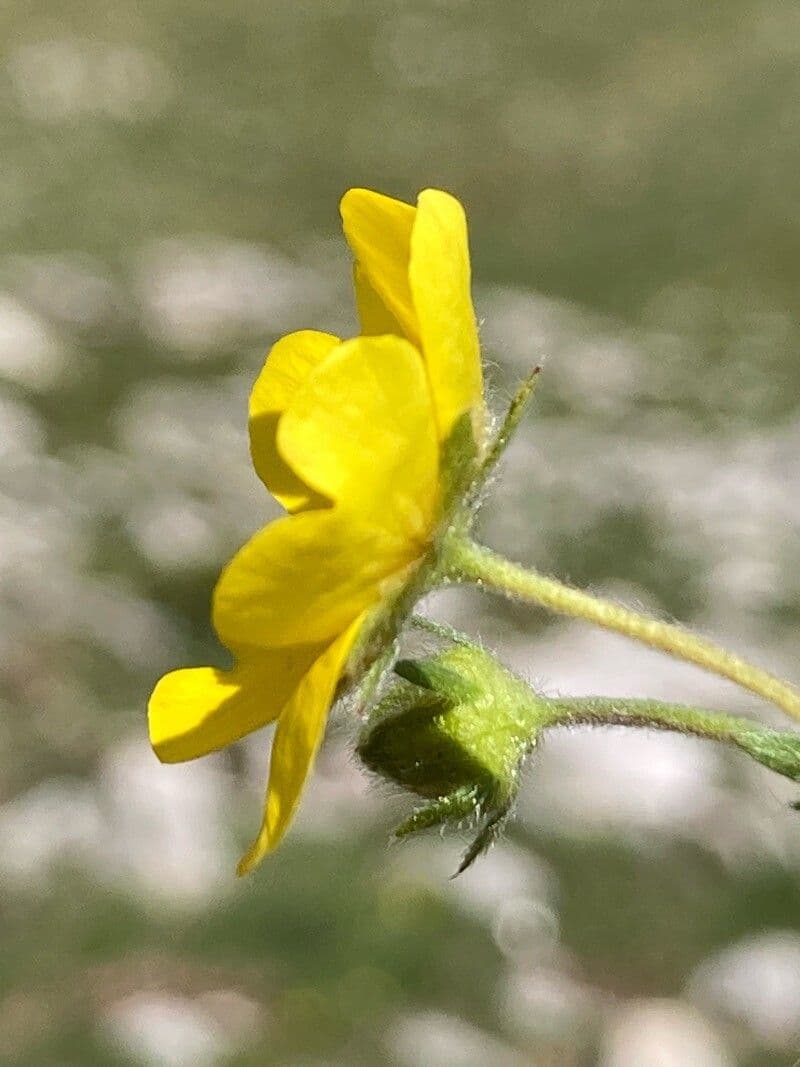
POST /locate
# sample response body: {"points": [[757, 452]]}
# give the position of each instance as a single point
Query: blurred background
{"points": [[169, 181]]}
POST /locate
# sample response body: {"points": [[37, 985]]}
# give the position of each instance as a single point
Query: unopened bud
{"points": [[455, 732]]}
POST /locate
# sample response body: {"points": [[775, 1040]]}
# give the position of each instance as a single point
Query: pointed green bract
{"points": [[439, 678]]}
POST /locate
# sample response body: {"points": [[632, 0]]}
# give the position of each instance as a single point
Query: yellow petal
{"points": [[378, 230], [413, 269], [373, 315], [300, 731], [439, 278], [290, 361], [200, 710], [302, 580], [362, 432]]}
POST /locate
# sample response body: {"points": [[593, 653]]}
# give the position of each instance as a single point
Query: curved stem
{"points": [[655, 714], [466, 561], [776, 749]]}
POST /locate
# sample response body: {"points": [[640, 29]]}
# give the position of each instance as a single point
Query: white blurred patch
{"points": [[158, 832], [69, 77], [43, 531], [45, 538], [167, 835], [428, 50], [115, 618], [434, 1039], [186, 444], [591, 781], [662, 1033], [70, 287], [575, 658], [107, 479], [21, 429], [103, 611], [200, 293], [173, 531], [546, 1003], [728, 501], [599, 778], [57, 821], [48, 596], [512, 890], [586, 356], [187, 424], [167, 1030], [756, 982], [526, 928], [30, 353]]}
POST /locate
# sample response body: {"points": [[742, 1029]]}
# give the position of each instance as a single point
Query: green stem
{"points": [[466, 561], [775, 749], [611, 711]]}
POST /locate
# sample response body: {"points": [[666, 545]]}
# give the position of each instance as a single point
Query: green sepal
{"points": [[432, 674], [459, 464], [511, 420]]}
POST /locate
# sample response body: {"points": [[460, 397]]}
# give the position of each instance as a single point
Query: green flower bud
{"points": [[457, 729], [455, 732]]}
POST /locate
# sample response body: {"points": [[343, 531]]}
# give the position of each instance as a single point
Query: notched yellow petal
{"points": [[289, 363], [439, 279], [378, 230], [200, 710], [300, 730], [363, 432], [373, 315], [301, 580]]}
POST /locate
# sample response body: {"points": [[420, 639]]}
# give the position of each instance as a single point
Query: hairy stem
{"points": [[466, 561], [778, 750], [611, 711]]}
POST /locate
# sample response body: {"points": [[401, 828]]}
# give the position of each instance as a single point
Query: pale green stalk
{"points": [[463, 560], [655, 714], [776, 749]]}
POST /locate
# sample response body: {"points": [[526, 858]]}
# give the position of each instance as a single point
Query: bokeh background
{"points": [[169, 179]]}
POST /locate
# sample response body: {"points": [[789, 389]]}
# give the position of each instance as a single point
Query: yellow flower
{"points": [[348, 436]]}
